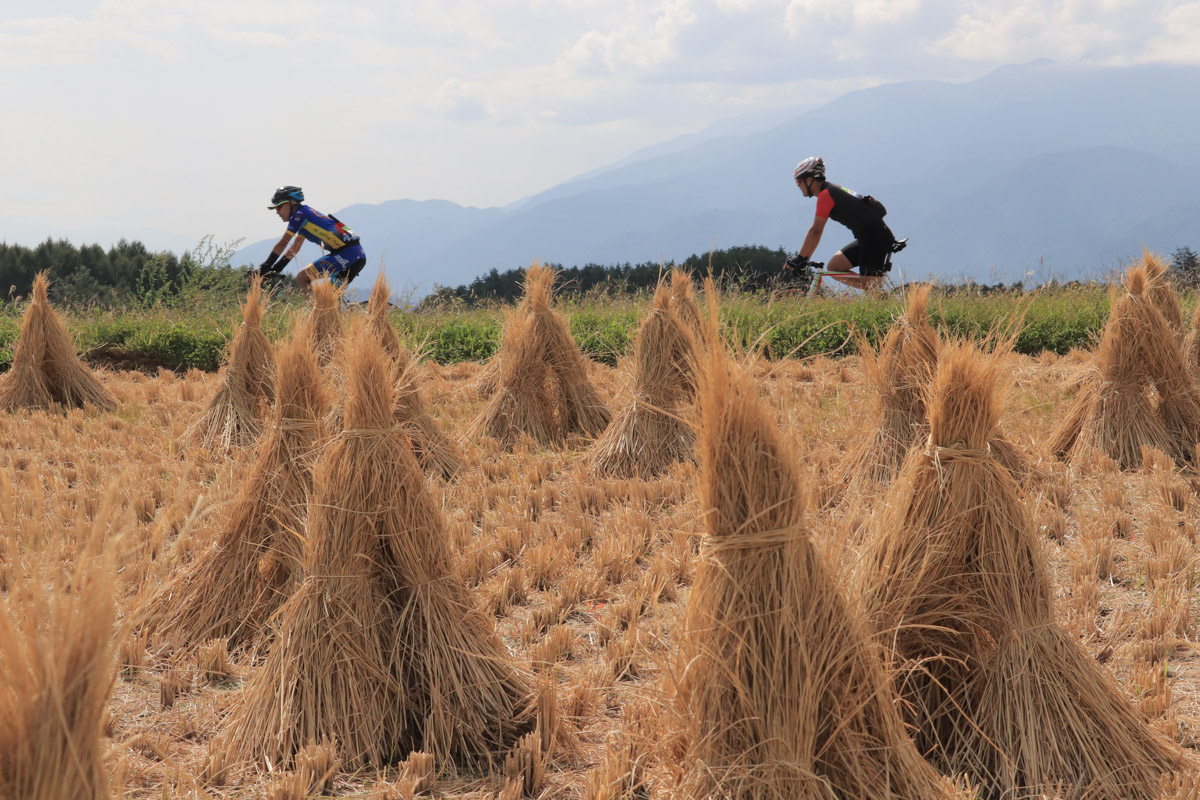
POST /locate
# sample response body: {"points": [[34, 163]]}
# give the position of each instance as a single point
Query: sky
{"points": [[170, 120]]}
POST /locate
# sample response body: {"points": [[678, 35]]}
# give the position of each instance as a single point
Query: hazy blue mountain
{"points": [[1043, 168]]}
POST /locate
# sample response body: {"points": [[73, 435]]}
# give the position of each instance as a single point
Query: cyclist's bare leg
{"points": [[856, 281], [305, 278], [845, 274]]}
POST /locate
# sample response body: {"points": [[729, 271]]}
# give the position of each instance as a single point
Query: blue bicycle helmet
{"points": [[286, 194]]}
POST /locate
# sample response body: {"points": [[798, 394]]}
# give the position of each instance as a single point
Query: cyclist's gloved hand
{"points": [[796, 263], [273, 264], [267, 266]]}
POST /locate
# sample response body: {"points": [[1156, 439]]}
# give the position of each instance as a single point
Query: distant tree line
{"points": [[127, 274], [1185, 268], [749, 268]]}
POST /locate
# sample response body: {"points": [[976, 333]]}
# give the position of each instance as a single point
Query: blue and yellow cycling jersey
{"points": [[320, 229]]}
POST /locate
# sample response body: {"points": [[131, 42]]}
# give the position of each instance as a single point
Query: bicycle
{"points": [[270, 280], [810, 274]]}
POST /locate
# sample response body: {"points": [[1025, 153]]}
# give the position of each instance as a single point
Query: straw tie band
{"points": [[368, 433], [293, 424], [951, 452], [746, 541]]}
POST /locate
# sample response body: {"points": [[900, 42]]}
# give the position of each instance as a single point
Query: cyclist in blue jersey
{"points": [[344, 257]]}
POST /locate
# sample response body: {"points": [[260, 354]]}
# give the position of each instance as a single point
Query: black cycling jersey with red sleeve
{"points": [[862, 215]]}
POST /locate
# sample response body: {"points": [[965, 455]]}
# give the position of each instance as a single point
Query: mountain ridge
{"points": [[948, 159]]}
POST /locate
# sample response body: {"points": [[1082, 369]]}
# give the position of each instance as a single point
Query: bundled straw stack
{"points": [[1191, 347], [57, 667], [434, 449], [581, 410], [781, 693], [1138, 392], [683, 303], [379, 647], [900, 372], [521, 402], [324, 325], [378, 305], [648, 435], [46, 368], [540, 375], [956, 585], [437, 452], [234, 415], [1162, 294], [231, 590]]}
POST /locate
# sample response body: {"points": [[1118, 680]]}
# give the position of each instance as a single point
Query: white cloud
{"points": [[460, 103], [232, 95]]}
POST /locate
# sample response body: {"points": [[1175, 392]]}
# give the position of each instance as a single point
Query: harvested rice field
{"points": [[434, 610]]}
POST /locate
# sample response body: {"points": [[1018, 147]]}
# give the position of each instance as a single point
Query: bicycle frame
{"points": [[815, 285]]}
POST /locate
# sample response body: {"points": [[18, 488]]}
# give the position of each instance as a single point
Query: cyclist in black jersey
{"points": [[873, 240]]}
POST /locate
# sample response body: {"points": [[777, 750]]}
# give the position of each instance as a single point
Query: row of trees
{"points": [[128, 274], [124, 275], [747, 268]]}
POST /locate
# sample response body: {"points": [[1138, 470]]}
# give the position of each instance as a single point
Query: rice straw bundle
{"points": [[463, 697], [956, 584], [648, 436], [46, 367], [900, 372], [25, 386], [683, 302], [521, 403], [328, 673], [1162, 294], [378, 648], [1066, 433], [57, 667], [377, 311], [582, 410], [324, 324], [436, 452], [781, 694], [234, 416], [1191, 346], [1113, 411], [488, 379], [230, 590]]}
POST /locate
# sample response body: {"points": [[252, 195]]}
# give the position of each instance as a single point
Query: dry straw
{"points": [[1162, 294], [46, 368], [648, 435], [1191, 346], [780, 692], [57, 667], [955, 583], [683, 302], [1137, 392], [378, 305], [230, 590], [521, 403], [541, 386], [324, 325], [900, 372], [234, 414], [581, 410], [434, 449], [379, 647]]}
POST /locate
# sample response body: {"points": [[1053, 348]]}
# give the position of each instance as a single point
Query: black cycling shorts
{"points": [[869, 255]]}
